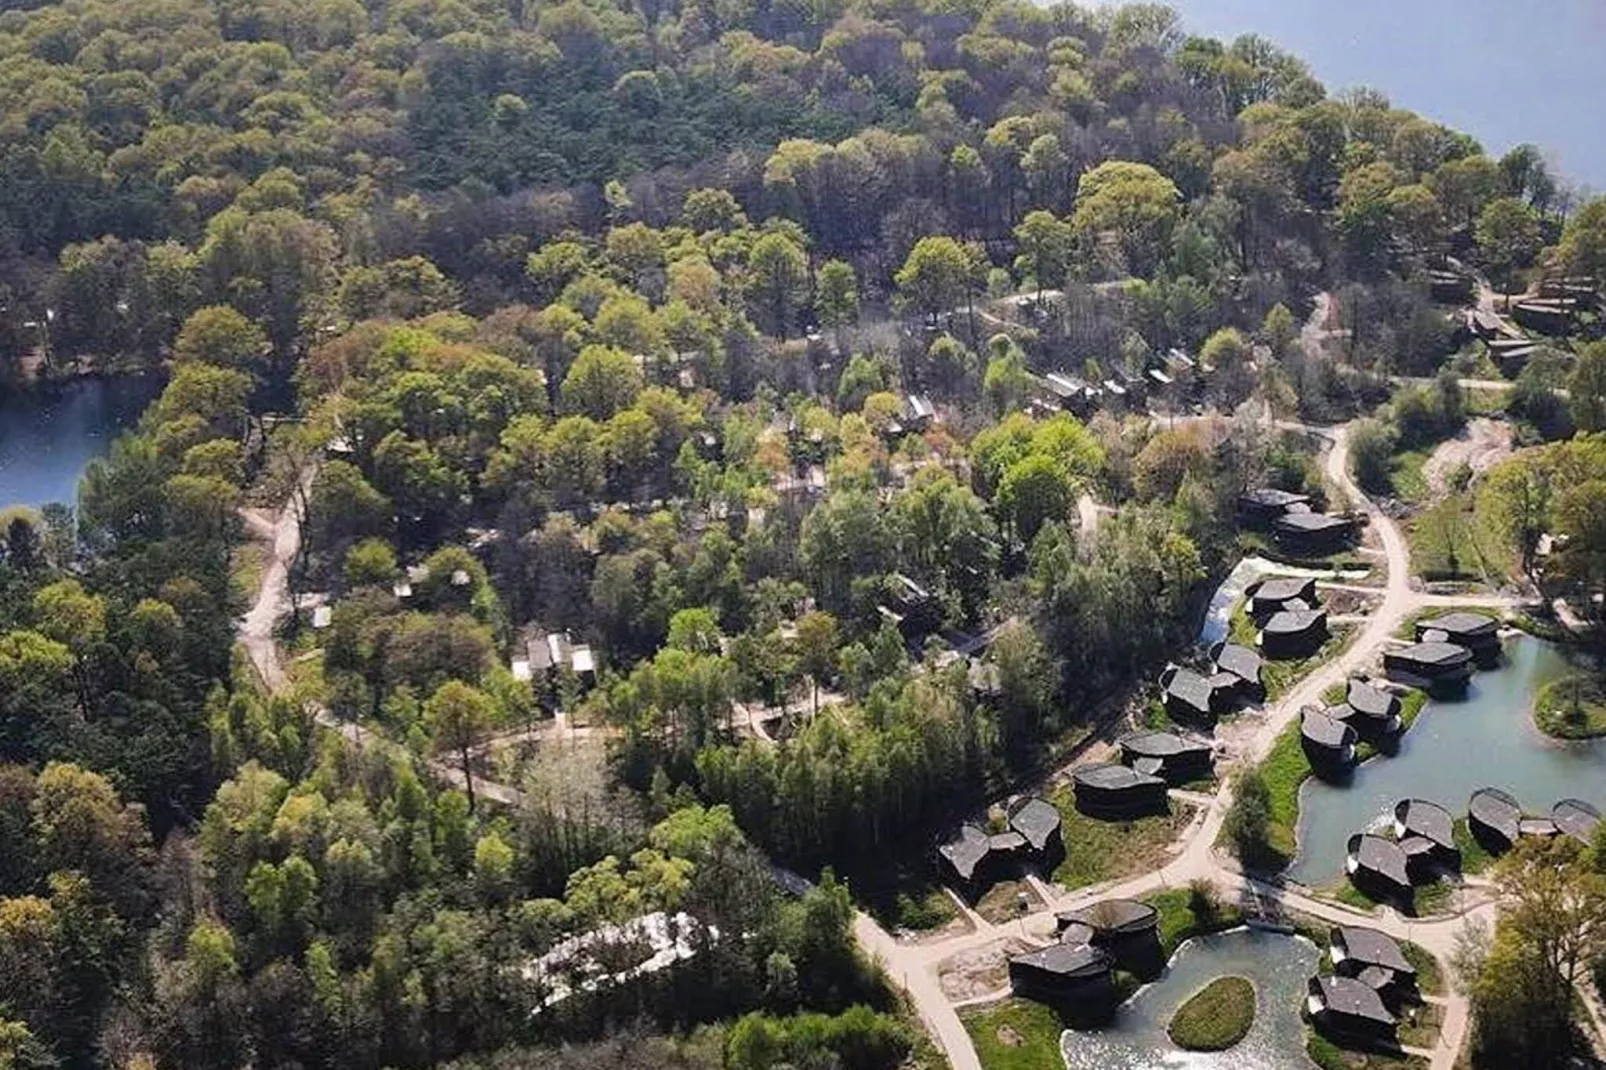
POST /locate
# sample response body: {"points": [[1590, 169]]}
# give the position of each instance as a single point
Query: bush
{"points": [[1216, 1017], [1248, 821], [1371, 449]]}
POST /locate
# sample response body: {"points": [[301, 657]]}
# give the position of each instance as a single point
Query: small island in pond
{"points": [[1216, 1017]]}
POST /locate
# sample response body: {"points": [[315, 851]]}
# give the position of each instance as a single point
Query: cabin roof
{"points": [[1353, 999], [1036, 819], [1462, 624], [1498, 810], [1435, 653], [1323, 730], [1369, 700], [1576, 818], [1067, 960], [1239, 660], [1380, 856], [1283, 588], [1419, 817], [1310, 523], [1191, 688], [1113, 917], [966, 850], [1369, 947], [1113, 777], [1272, 497], [1294, 621], [1159, 745]]}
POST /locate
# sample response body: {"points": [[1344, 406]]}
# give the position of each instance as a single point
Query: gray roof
{"points": [[1435, 654], [1191, 688], [1295, 622], [1418, 817], [1149, 766], [1310, 523], [1576, 818], [1114, 917], [1113, 777], [1496, 810], [1273, 497], [1537, 826], [1159, 745], [1035, 819], [1282, 588], [1067, 960], [1369, 947], [1324, 731], [1353, 999], [1462, 624], [966, 850], [1369, 700], [1380, 856], [1238, 660]]}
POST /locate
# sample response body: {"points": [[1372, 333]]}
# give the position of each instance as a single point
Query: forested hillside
{"points": [[676, 332]]}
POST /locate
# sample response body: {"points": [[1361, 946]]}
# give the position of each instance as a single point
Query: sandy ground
{"points": [[1481, 445], [978, 971]]}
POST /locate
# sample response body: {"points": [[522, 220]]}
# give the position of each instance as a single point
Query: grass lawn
{"points": [[1344, 560], [1183, 915], [1474, 859], [1216, 1017], [1283, 770], [1016, 1034], [1459, 538], [1429, 978], [1427, 899], [246, 565], [1419, 1025], [1573, 707], [1405, 475], [1097, 851], [1329, 1056], [1002, 901]]}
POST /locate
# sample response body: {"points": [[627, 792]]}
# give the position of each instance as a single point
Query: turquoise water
{"points": [[1277, 965], [1455, 747], [1504, 71], [49, 436]]}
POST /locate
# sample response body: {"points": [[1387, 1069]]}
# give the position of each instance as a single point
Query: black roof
{"points": [[1377, 855], [966, 850], [1067, 960], [1369, 700], [1369, 947], [1324, 731], [1462, 623], [1307, 523], [1036, 819], [1159, 745], [1110, 917], [1283, 588], [1576, 818], [1272, 497], [1419, 817], [1189, 687], [1294, 621], [1239, 660], [1497, 810], [1435, 654], [1352, 998], [1113, 777]]}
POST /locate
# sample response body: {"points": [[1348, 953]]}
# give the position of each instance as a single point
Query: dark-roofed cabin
{"points": [[1126, 928], [1576, 818], [1189, 696], [1115, 792], [1553, 316], [1378, 867], [1313, 533], [1435, 667], [967, 859], [1038, 821], [1262, 507], [1166, 755], [1357, 950], [1244, 664], [910, 608], [1347, 1006], [1294, 633], [1495, 819], [1078, 972], [1328, 742], [1273, 595], [1476, 632], [1449, 287], [1431, 823], [1373, 711]]}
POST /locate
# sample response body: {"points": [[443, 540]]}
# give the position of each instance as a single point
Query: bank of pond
{"points": [[50, 432]]}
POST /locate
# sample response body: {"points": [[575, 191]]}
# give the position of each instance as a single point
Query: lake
{"points": [[1504, 71], [49, 436], [1456, 746], [1277, 965]]}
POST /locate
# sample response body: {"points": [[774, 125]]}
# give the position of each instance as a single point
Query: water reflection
{"points": [[1456, 747], [1277, 965], [48, 437]]}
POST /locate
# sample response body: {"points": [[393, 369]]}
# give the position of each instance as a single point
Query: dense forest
{"points": [[607, 322]]}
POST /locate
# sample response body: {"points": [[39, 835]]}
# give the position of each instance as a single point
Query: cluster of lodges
{"points": [[1191, 696], [1093, 943], [1292, 520], [973, 858], [1176, 374], [1292, 622], [1497, 821], [1446, 650], [1330, 734], [1371, 981], [1151, 763]]}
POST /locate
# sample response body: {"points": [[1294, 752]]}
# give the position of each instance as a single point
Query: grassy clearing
{"points": [[1405, 475], [1216, 1017], [1573, 707], [1284, 770], [1329, 1056], [1016, 1034], [1426, 899], [1002, 901], [1429, 978], [1184, 914], [1344, 560], [906, 897], [1460, 538], [1097, 851], [246, 565], [1474, 858]]}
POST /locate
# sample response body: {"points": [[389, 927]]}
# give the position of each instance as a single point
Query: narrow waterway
{"points": [[1277, 965], [49, 435], [1456, 746]]}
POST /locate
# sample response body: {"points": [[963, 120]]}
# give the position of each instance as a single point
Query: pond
{"points": [[48, 436], [1277, 965], [1487, 738]]}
